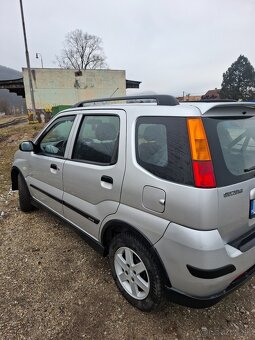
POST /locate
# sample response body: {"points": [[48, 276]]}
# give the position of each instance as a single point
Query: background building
{"points": [[55, 86], [212, 94]]}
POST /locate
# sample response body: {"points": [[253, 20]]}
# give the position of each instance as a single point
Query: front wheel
{"points": [[136, 272]]}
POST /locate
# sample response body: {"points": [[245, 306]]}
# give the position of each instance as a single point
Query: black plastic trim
{"points": [[244, 242], [211, 273], [205, 302], [78, 211], [47, 194], [82, 213]]}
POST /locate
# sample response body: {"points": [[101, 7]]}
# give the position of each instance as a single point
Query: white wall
{"points": [[60, 86]]}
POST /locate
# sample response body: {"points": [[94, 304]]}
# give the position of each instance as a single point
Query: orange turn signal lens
{"points": [[198, 141]]}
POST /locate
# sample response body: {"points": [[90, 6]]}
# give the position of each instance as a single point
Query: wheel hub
{"points": [[132, 273]]}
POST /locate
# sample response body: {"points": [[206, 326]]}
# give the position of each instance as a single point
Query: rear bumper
{"points": [[201, 266], [205, 302]]}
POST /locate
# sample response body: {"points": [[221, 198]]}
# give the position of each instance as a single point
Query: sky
{"points": [[170, 46]]}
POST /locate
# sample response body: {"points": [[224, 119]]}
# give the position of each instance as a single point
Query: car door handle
{"points": [[107, 179], [54, 167]]}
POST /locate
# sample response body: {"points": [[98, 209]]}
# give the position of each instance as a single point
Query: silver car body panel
{"points": [[84, 188], [234, 210], [182, 246], [151, 227]]}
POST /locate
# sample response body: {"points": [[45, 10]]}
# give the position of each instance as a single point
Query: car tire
{"points": [[136, 272], [24, 195]]}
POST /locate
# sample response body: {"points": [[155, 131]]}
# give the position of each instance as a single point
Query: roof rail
{"points": [[209, 101], [160, 99]]}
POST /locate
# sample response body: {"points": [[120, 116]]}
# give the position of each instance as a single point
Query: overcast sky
{"points": [[171, 46]]}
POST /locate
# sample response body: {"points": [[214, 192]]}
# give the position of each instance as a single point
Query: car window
{"points": [[152, 144], [55, 140], [237, 140], [98, 139], [162, 148]]}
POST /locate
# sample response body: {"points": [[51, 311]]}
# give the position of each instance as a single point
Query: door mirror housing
{"points": [[26, 146]]}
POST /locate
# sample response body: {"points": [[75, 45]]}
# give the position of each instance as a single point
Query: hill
{"points": [[7, 73], [10, 102]]}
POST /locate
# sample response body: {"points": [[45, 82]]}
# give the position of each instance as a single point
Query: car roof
{"points": [[185, 109]]}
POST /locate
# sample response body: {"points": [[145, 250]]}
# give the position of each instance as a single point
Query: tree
{"points": [[81, 51], [239, 81]]}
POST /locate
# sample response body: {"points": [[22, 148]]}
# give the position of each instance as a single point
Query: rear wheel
{"points": [[24, 195], [136, 272]]}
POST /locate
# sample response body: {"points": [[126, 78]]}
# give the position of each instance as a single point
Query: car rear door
{"points": [[94, 170]]}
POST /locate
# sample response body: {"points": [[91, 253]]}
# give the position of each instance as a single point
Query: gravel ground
{"points": [[54, 286]]}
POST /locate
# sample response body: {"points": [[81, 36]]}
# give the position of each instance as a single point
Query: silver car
{"points": [[167, 190]]}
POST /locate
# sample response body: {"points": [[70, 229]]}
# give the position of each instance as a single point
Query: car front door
{"points": [[94, 173], [46, 164]]}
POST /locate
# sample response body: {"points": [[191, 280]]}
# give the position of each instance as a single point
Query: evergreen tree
{"points": [[239, 81]]}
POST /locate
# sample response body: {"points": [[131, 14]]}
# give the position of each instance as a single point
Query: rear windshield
{"points": [[232, 145]]}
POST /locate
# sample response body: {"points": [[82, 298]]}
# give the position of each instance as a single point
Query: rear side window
{"points": [[98, 139], [232, 144], [162, 148]]}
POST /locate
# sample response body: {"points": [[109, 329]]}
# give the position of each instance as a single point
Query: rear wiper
{"points": [[249, 169]]}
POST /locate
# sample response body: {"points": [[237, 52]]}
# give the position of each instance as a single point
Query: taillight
{"points": [[200, 154]]}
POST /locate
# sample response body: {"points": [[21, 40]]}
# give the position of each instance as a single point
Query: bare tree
{"points": [[82, 51]]}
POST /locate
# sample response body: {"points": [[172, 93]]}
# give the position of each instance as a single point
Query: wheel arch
{"points": [[114, 227]]}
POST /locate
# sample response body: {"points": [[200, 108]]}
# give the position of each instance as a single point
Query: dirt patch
{"points": [[54, 286]]}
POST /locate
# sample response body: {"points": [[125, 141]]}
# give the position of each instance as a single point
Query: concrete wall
{"points": [[54, 87]]}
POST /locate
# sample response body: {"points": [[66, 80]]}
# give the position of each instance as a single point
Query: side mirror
{"points": [[26, 146]]}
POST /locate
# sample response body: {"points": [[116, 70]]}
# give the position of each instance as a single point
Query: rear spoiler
{"points": [[234, 108]]}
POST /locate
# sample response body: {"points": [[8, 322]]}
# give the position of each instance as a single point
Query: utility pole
{"points": [[28, 62]]}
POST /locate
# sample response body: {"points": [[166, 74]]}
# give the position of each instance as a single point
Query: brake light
{"points": [[200, 154]]}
